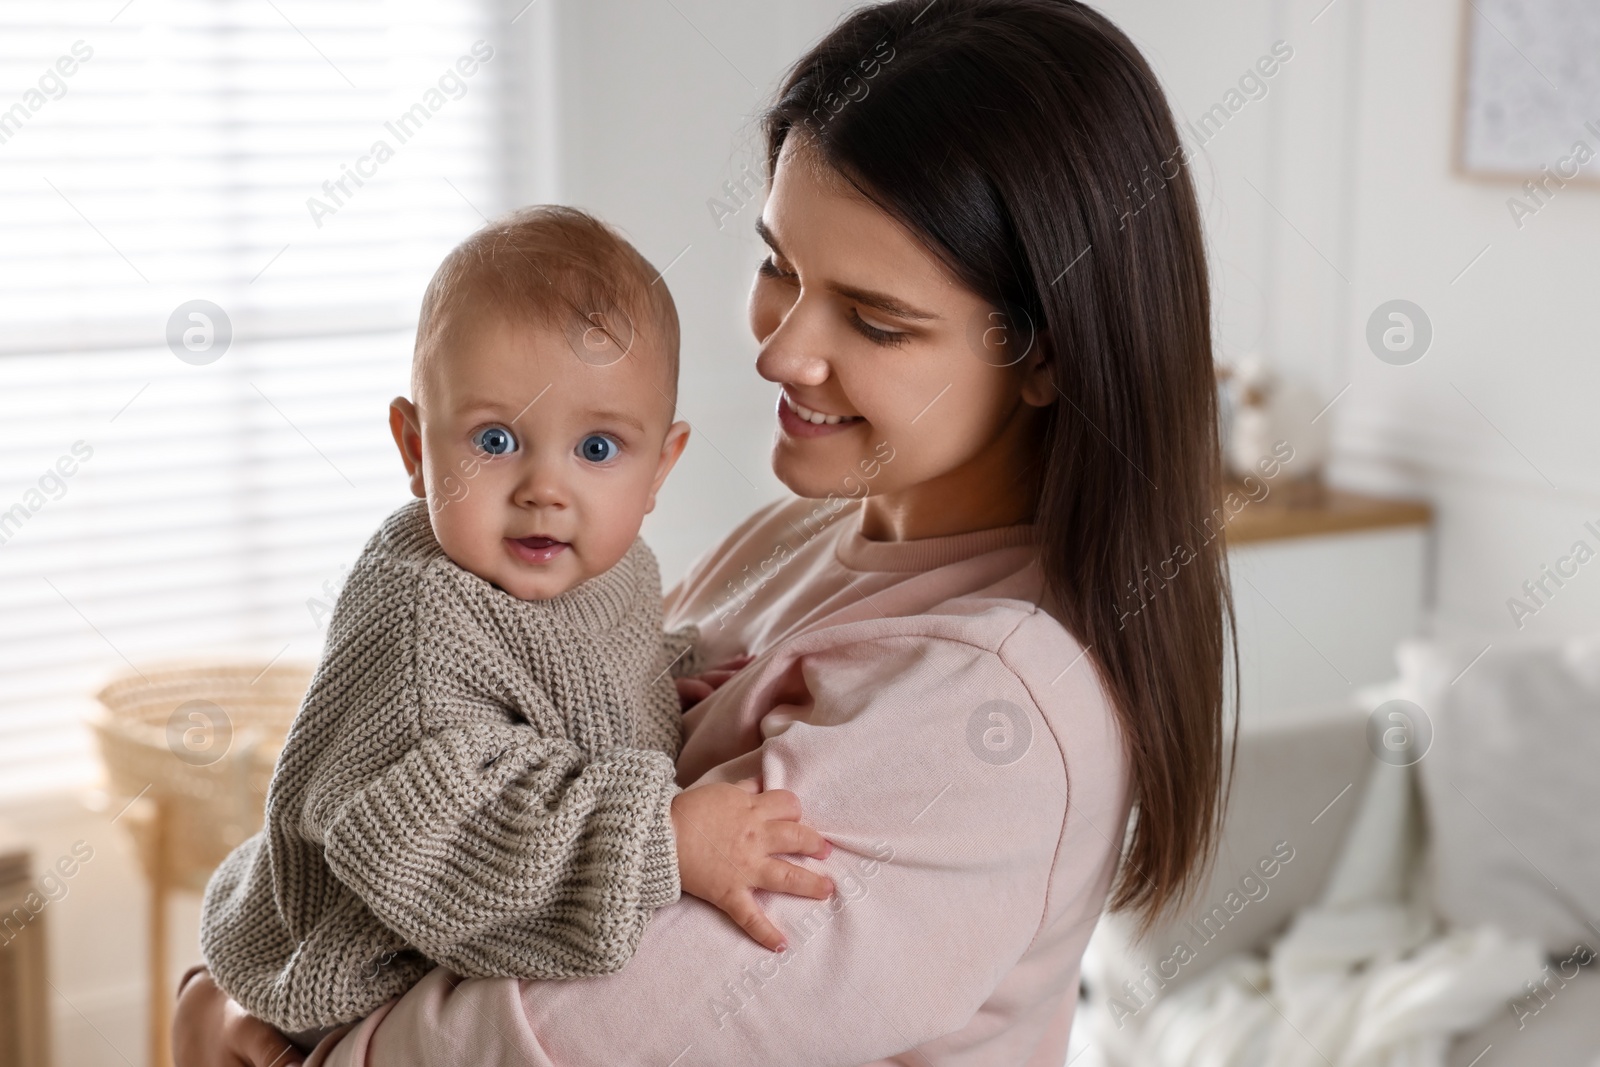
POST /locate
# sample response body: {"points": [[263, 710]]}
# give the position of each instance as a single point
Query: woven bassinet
{"points": [[199, 740]]}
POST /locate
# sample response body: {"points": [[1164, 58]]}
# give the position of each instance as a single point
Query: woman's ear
{"points": [[407, 429], [1038, 385]]}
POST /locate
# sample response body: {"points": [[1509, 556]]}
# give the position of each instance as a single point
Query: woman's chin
{"points": [[811, 469]]}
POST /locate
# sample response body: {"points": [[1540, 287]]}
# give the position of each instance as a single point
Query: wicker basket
{"points": [[199, 739], [193, 744]]}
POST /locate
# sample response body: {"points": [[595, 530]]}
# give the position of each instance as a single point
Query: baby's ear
{"points": [[671, 448], [406, 427]]}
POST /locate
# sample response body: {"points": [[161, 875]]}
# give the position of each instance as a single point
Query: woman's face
{"points": [[898, 381]]}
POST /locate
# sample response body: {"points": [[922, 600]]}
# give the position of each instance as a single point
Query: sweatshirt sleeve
{"points": [[944, 850], [495, 851]]}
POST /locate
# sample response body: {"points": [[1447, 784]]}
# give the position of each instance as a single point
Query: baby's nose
{"points": [[542, 485]]}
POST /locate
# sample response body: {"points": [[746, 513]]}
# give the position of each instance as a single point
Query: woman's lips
{"points": [[536, 549], [795, 425]]}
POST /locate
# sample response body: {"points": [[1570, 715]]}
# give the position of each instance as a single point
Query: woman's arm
{"points": [[210, 1029], [942, 862]]}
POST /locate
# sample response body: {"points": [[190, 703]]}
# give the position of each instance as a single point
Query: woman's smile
{"points": [[797, 420]]}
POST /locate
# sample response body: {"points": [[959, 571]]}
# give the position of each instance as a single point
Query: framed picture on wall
{"points": [[1529, 90]]}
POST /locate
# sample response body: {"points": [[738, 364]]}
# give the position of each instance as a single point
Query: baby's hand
{"points": [[696, 687], [728, 836]]}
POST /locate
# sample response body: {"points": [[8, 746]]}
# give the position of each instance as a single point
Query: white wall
{"points": [[1329, 195], [1515, 335], [659, 105], [1358, 204]]}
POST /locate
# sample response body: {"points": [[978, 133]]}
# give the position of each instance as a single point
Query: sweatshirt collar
{"points": [[859, 553]]}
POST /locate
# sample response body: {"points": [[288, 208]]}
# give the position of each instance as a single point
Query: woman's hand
{"points": [[696, 687], [210, 1029], [728, 836]]}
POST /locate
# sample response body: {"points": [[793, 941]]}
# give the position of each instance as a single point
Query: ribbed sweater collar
{"points": [[859, 553], [594, 605], [598, 603]]}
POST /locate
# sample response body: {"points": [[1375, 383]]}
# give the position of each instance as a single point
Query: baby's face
{"points": [[538, 466]]}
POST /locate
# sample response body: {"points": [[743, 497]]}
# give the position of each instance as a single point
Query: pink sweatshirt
{"points": [[930, 717]]}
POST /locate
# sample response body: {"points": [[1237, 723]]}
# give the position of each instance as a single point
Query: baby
{"points": [[481, 774]]}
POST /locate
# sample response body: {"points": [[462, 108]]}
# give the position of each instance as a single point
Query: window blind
{"points": [[216, 223]]}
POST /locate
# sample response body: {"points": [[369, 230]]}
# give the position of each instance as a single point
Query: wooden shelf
{"points": [[1310, 509]]}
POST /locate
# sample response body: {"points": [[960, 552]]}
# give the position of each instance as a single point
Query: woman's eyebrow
{"points": [[881, 301]]}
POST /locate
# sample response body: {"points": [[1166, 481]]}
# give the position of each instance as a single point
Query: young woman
{"points": [[988, 625]]}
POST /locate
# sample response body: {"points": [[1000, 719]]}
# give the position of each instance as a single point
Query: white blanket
{"points": [[1364, 979]]}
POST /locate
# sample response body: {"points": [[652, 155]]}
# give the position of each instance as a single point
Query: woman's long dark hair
{"points": [[1029, 145]]}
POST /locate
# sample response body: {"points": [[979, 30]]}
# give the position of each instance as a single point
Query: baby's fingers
{"points": [[781, 876], [742, 908], [795, 839], [778, 804], [691, 691]]}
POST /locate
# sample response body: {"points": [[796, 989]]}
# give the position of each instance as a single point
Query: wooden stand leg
{"points": [[24, 986], [160, 996]]}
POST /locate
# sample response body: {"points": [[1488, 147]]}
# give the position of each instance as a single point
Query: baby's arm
{"points": [[679, 651], [729, 836], [489, 844], [496, 851]]}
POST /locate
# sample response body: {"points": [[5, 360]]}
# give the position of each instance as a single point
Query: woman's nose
{"points": [[792, 352]]}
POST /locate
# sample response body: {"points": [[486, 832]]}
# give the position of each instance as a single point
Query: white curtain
{"points": [[169, 490]]}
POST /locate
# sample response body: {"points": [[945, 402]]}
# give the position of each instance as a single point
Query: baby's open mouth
{"points": [[536, 549]]}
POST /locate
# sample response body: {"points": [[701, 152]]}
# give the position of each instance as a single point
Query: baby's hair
{"points": [[555, 266]]}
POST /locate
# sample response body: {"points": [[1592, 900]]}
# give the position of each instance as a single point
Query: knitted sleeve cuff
{"points": [[682, 652], [659, 884]]}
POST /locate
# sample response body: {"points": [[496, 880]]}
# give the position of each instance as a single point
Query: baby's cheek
{"points": [[610, 528], [449, 489], [599, 549], [465, 532]]}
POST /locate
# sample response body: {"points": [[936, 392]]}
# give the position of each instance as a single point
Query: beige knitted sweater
{"points": [[472, 780]]}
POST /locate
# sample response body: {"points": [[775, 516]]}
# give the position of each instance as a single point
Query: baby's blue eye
{"points": [[494, 440], [597, 448]]}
